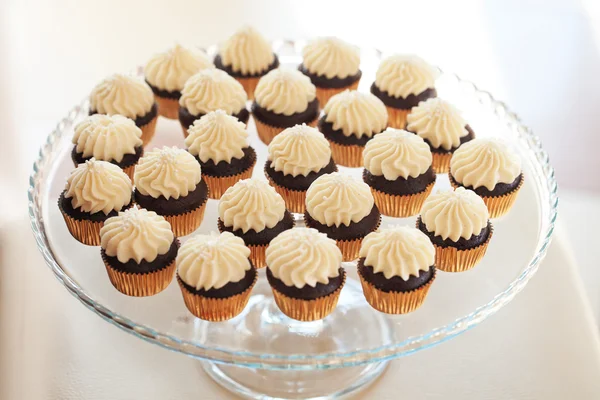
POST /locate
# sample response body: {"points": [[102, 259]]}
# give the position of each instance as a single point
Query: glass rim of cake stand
{"points": [[541, 169]]}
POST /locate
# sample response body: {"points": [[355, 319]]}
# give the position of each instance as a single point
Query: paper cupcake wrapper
{"points": [[186, 223], [85, 231], [266, 132], [497, 205], [308, 310], [397, 117], [148, 130], [348, 156], [324, 94], [395, 302], [141, 284], [249, 85], [295, 200], [168, 108], [401, 206], [217, 185], [215, 310]]}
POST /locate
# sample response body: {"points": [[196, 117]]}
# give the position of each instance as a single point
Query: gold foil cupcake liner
{"points": [[249, 85], [148, 130], [217, 185], [324, 94], [129, 171], [141, 284], [186, 223], [441, 162], [401, 206], [349, 248], [212, 309], [168, 108], [295, 200], [85, 231], [266, 132], [308, 310], [395, 302], [258, 255], [347, 155], [397, 117]]}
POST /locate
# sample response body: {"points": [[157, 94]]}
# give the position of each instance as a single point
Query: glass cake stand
{"points": [[263, 354]]}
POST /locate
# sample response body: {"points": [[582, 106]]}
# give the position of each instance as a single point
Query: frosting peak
{"points": [[247, 52], [169, 70], [285, 91], [217, 136], [122, 94], [303, 256], [438, 122], [398, 251], [331, 57], [356, 113], [299, 150], [402, 75], [210, 90], [168, 172]]}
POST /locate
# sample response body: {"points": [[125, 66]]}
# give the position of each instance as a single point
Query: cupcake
{"points": [[398, 171], [457, 223], [332, 66], [489, 168], [296, 157], [211, 90], [138, 249], [130, 97], [168, 182], [402, 82], [111, 138], [246, 56], [396, 269], [95, 191], [344, 209], [167, 72], [215, 275], [220, 144], [254, 211], [349, 121], [440, 124], [283, 98], [305, 273]]}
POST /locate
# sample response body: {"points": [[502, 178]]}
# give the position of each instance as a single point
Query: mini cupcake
{"points": [[220, 144], [95, 191], [114, 138], [215, 275], [332, 66], [246, 56], [254, 211], [396, 269], [305, 273], [168, 182], [296, 157], [457, 223], [138, 249], [167, 72], [344, 209], [398, 171], [283, 98], [402, 82], [130, 97], [490, 169], [349, 121], [211, 90], [440, 124]]}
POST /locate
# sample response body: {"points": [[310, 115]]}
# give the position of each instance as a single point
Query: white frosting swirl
{"points": [[251, 204], [454, 214], [212, 261], [217, 136], [285, 91], [247, 52], [303, 256], [168, 172], [356, 113], [336, 199], [169, 70], [439, 122], [299, 150], [401, 75], [210, 90], [398, 251], [107, 137], [96, 186], [331, 57], [397, 153], [122, 94], [484, 162], [136, 234]]}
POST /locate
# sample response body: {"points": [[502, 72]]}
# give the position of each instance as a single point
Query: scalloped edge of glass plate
{"points": [[301, 361]]}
